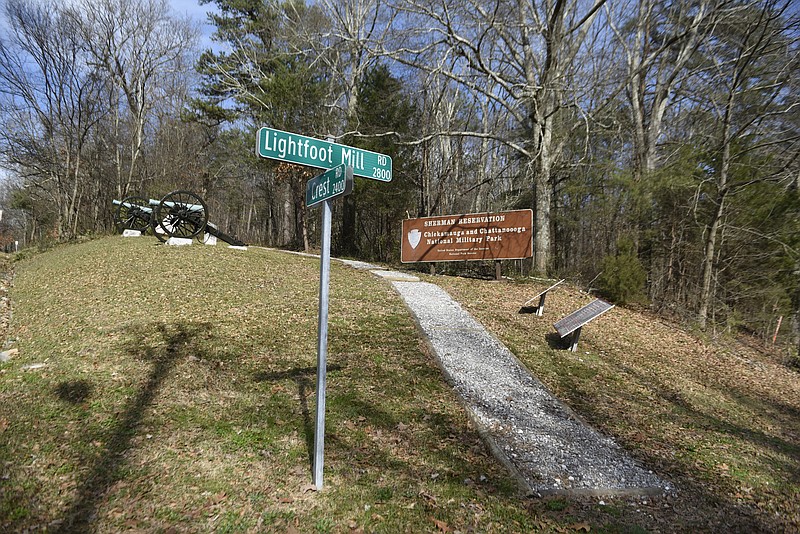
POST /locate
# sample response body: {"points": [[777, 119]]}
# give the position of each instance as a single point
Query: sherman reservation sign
{"points": [[478, 236]]}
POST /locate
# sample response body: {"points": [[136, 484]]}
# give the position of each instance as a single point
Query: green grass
{"points": [[178, 392], [723, 422]]}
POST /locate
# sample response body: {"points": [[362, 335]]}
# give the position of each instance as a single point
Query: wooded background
{"points": [[656, 141]]}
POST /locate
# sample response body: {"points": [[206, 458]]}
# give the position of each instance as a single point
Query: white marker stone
{"points": [[179, 241]]}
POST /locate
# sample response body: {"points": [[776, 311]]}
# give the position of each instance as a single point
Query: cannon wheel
{"points": [[181, 214], [129, 214]]}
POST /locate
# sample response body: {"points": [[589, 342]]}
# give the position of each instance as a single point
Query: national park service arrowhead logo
{"points": [[414, 237]]}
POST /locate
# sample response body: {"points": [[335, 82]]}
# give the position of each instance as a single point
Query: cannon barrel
{"points": [[191, 207], [129, 205], [212, 229]]}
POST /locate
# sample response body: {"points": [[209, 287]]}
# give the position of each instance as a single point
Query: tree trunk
{"points": [[543, 136], [708, 261], [796, 310], [287, 221], [304, 224], [541, 241], [722, 192], [348, 237]]}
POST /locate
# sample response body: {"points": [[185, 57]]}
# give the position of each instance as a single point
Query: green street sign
{"points": [[329, 184], [295, 148]]}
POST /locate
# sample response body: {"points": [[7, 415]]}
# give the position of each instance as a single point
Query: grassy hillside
{"points": [[721, 419], [177, 394], [178, 391]]}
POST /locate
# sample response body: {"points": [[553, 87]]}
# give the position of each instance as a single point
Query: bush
{"points": [[623, 276]]}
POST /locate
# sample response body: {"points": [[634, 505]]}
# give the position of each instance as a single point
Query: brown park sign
{"points": [[505, 235]]}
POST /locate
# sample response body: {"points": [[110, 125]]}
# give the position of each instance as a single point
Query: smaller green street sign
{"points": [[331, 183], [295, 148]]}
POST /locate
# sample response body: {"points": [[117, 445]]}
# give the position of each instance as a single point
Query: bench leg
{"points": [[540, 307], [576, 335]]}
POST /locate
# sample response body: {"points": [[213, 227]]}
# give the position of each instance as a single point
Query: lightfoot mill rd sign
{"points": [[295, 148]]}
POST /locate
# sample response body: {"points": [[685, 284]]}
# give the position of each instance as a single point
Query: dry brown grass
{"points": [[721, 419], [177, 395]]}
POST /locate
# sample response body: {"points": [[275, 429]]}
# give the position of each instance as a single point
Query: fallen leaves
{"points": [[429, 499], [441, 525]]}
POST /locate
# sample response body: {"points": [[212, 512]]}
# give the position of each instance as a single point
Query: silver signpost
{"points": [[319, 190], [322, 342], [342, 163]]}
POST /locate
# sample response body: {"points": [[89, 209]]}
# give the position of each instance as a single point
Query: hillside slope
{"points": [[722, 420], [172, 388]]}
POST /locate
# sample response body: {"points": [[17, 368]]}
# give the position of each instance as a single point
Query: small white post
{"points": [[576, 335]]}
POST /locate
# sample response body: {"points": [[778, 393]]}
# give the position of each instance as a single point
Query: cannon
{"points": [[180, 214]]}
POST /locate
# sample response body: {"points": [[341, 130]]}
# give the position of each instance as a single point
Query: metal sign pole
{"points": [[322, 342]]}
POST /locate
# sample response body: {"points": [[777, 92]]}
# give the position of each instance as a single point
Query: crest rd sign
{"points": [[331, 183]]}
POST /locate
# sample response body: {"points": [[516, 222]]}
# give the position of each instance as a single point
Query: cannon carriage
{"points": [[180, 214]]}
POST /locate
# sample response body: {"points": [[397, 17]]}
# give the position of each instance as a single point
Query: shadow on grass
{"points": [[306, 379], [74, 391], [348, 451], [556, 342], [713, 423], [710, 422], [735, 516], [168, 343]]}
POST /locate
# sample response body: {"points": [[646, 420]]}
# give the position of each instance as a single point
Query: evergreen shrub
{"points": [[623, 276]]}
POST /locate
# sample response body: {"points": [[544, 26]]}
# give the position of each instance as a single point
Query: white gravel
{"points": [[544, 444]]}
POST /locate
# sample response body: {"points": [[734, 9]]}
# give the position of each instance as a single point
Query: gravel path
{"points": [[544, 444]]}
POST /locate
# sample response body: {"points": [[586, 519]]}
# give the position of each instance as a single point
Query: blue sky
{"points": [[182, 7], [198, 13], [192, 8]]}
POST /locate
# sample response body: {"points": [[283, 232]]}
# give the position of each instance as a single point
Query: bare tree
{"points": [[527, 51], [51, 101], [344, 47], [140, 45], [657, 49], [750, 63]]}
